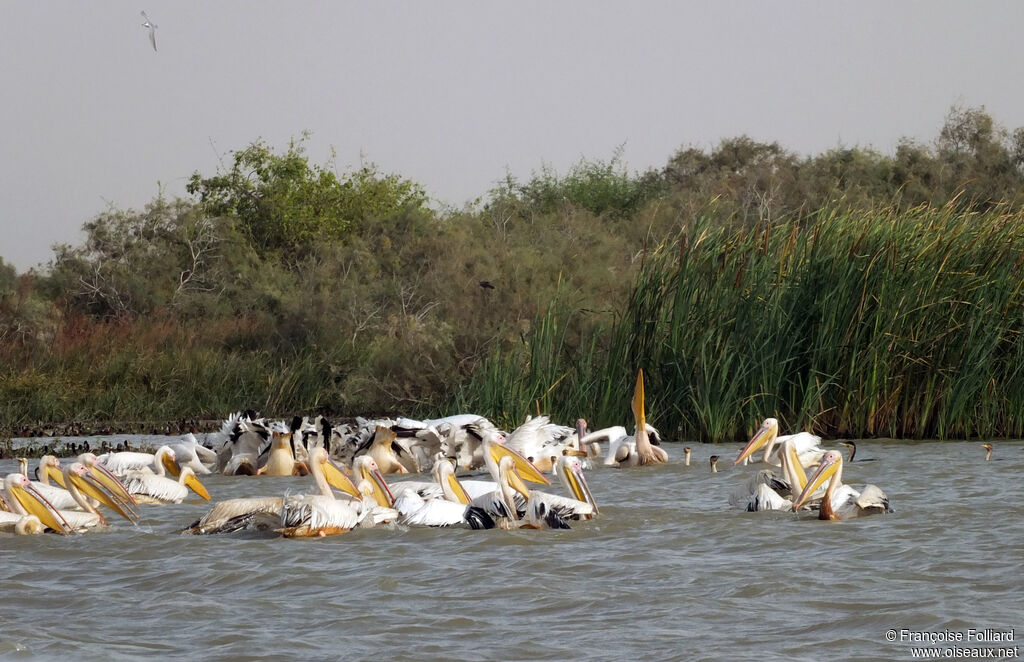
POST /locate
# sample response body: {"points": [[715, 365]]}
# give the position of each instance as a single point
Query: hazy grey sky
{"points": [[456, 94]]}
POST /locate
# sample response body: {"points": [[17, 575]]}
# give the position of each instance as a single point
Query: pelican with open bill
{"points": [[841, 501], [807, 445], [646, 452]]}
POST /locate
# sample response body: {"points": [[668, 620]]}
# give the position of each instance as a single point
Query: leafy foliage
{"points": [[284, 205]]}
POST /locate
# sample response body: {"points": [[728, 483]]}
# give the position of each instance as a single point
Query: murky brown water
{"points": [[667, 572]]}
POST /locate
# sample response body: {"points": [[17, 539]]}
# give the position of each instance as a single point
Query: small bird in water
{"points": [[714, 464], [988, 455], [853, 452], [686, 455], [152, 29]]}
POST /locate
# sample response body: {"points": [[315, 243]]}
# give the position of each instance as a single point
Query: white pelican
{"points": [[365, 468], [530, 509], [764, 491], [235, 514], [638, 449], [244, 439], [160, 462], [323, 514], [109, 482], [445, 505], [22, 525], [281, 460], [147, 487], [851, 503], [189, 452], [494, 449], [580, 504], [88, 491], [383, 452], [23, 500], [49, 468], [538, 440], [807, 445]]}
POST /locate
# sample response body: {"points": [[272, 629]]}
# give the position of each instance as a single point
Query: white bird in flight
{"points": [[152, 29]]}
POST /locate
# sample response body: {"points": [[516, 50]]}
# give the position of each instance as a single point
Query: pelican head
{"points": [[649, 454], [81, 478], [509, 480], [320, 463], [495, 451], [444, 475], [25, 499], [988, 454], [570, 471], [189, 479], [581, 431], [831, 467], [113, 485], [29, 525], [765, 436], [365, 468]]}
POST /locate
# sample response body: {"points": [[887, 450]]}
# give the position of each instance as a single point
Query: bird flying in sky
{"points": [[152, 29]]}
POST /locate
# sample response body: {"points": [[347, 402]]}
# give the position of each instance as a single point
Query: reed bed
{"points": [[858, 324]]}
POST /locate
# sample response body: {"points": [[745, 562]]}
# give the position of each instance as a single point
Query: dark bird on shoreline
{"points": [[486, 284]]}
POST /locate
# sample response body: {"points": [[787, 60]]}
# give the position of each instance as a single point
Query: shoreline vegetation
{"points": [[850, 293]]}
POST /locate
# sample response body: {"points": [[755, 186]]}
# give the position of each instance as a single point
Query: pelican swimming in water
{"points": [[23, 501], [319, 515], [281, 460], [148, 487], [189, 452], [447, 505], [540, 439], [244, 438], [87, 492], [636, 450], [767, 436], [49, 469], [159, 462], [109, 482], [514, 505], [382, 450], [765, 491], [22, 525], [265, 512], [851, 503]]}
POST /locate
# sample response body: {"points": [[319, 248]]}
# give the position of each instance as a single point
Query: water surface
{"points": [[668, 571]]}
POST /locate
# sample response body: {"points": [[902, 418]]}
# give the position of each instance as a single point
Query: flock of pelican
{"points": [[363, 476], [792, 490]]}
